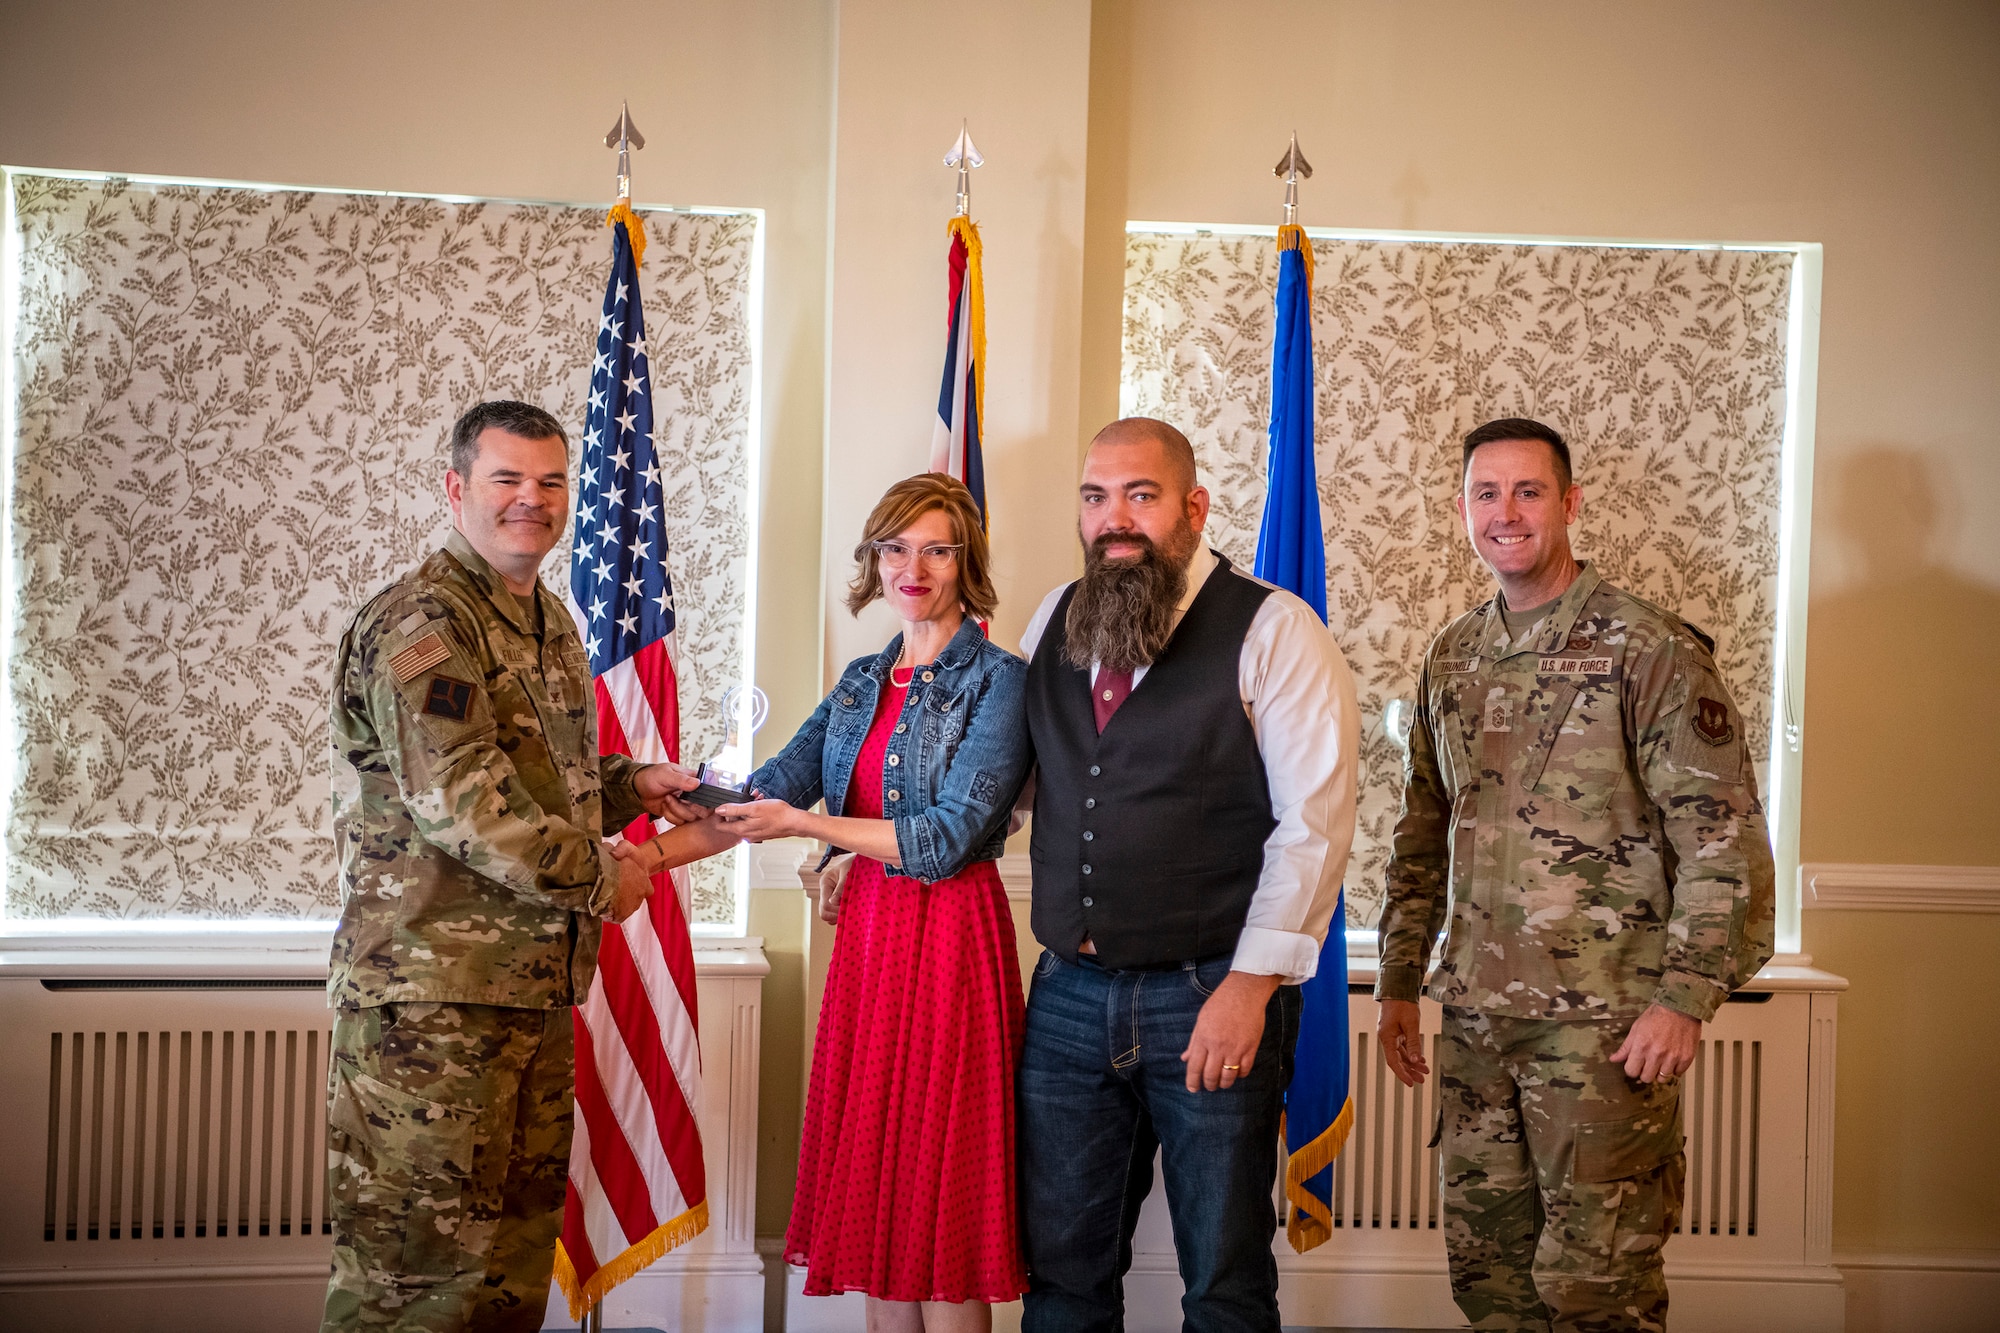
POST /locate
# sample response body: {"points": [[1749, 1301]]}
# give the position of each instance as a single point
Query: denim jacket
{"points": [[957, 761]]}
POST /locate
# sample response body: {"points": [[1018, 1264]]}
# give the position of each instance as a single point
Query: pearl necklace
{"points": [[904, 683]]}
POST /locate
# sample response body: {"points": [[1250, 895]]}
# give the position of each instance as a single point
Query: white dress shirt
{"points": [[1299, 697]]}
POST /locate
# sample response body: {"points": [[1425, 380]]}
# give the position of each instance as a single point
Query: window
{"points": [[225, 413], [1682, 375]]}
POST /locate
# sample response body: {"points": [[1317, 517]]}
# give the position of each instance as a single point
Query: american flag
{"points": [[636, 1183]]}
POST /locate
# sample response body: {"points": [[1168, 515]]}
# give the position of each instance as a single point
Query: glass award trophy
{"points": [[744, 709]]}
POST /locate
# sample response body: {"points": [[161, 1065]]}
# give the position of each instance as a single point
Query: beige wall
{"points": [[1872, 129], [509, 99], [909, 72]]}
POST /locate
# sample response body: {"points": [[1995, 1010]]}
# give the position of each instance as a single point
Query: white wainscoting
{"points": [[167, 1168], [1752, 1252], [1825, 886]]}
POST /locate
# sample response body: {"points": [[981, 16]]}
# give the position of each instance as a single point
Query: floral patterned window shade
{"points": [[1665, 368], [229, 412]]}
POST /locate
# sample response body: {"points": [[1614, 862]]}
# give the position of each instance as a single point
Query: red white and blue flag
{"points": [[636, 1182], [955, 440]]}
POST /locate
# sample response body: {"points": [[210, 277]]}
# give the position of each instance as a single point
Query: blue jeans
{"points": [[1101, 1086]]}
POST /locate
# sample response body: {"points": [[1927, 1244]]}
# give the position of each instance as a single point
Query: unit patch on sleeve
{"points": [[425, 652], [448, 698], [1711, 721]]}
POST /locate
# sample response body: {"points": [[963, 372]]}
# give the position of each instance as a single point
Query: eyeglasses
{"points": [[899, 553]]}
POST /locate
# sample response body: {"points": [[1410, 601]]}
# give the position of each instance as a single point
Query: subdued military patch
{"points": [[1579, 642], [448, 698], [1574, 666], [1499, 712], [424, 653], [413, 622], [1711, 721], [1456, 666]]}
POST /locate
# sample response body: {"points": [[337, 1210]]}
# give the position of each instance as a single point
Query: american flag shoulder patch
{"points": [[424, 653]]}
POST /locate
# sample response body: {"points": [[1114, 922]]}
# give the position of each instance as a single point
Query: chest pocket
{"points": [[944, 716], [1454, 712], [1578, 757], [520, 730], [847, 715]]}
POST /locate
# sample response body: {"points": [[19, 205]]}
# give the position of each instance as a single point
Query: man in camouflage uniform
{"points": [[469, 807], [1578, 792]]}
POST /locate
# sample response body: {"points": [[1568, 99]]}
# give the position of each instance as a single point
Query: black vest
{"points": [[1150, 838]]}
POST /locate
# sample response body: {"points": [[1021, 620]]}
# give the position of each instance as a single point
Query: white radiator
{"points": [[1751, 1252], [167, 1153]]}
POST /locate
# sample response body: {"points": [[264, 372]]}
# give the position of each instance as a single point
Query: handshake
{"points": [[700, 831]]}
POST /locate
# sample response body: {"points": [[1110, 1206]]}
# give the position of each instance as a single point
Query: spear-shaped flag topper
{"points": [[964, 155], [624, 137], [1293, 168]]}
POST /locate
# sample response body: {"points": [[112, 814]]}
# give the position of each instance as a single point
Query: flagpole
{"points": [[1293, 167], [965, 156], [624, 136]]}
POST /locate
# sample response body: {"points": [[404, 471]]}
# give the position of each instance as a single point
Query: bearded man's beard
{"points": [[1122, 613]]}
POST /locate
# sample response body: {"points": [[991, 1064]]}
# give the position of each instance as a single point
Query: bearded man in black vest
{"points": [[1195, 737]]}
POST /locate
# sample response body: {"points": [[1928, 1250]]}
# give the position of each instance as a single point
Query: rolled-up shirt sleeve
{"points": [[1300, 698]]}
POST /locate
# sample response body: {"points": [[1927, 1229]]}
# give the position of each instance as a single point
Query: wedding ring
{"points": [[1230, 1069]]}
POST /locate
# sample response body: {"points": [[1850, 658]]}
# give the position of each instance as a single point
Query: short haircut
{"points": [[522, 419], [1132, 430], [905, 503], [1517, 428]]}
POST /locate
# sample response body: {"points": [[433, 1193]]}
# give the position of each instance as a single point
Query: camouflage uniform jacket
{"points": [[1584, 805], [467, 798]]}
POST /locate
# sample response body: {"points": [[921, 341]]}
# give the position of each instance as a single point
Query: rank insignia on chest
{"points": [[1499, 712], [448, 698], [1573, 666], [1711, 721], [425, 652]]}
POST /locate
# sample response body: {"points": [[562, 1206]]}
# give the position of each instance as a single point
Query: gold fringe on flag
{"points": [[1292, 237], [585, 1296], [635, 230], [975, 284], [1311, 1222]]}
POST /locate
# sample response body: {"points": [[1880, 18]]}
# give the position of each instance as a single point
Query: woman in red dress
{"points": [[906, 1163]]}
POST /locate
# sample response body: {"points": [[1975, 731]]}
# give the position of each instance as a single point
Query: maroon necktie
{"points": [[1110, 690]]}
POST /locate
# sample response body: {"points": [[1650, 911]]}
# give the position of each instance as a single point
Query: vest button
{"points": [[1088, 836], [1086, 870], [1095, 770], [1090, 802], [1090, 902], [894, 760]]}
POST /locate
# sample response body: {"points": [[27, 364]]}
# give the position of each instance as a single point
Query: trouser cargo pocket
{"points": [[401, 1165], [1623, 1195]]}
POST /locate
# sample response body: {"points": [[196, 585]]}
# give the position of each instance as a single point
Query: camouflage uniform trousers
{"points": [[1560, 1176], [448, 1134]]}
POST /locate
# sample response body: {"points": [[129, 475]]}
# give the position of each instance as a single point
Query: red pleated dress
{"points": [[906, 1164]]}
